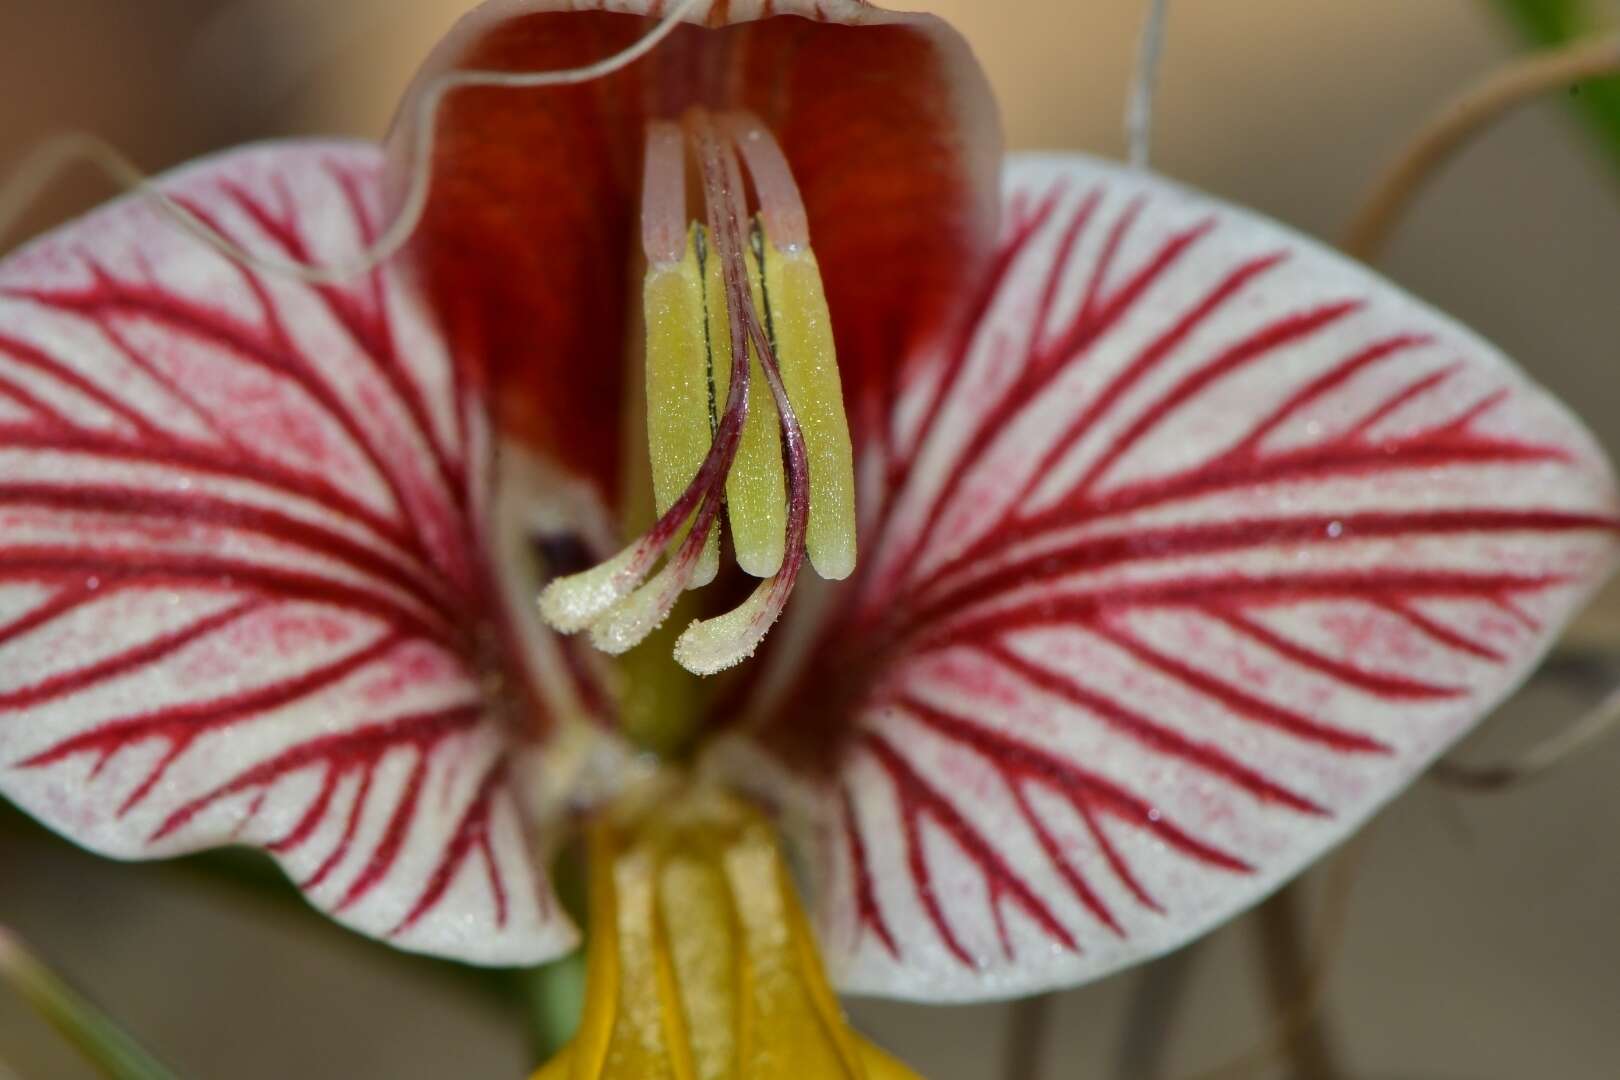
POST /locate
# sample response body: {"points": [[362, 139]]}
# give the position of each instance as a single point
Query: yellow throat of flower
{"points": [[744, 405], [701, 965]]}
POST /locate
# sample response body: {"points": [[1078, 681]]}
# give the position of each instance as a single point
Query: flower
{"points": [[1152, 547]]}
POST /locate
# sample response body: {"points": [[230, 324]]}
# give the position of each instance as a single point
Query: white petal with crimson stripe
{"points": [[1197, 549], [242, 595]]}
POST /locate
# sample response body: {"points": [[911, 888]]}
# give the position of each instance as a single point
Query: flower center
{"points": [[744, 407]]}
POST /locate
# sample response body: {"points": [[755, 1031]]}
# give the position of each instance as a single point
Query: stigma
{"points": [[745, 411]]}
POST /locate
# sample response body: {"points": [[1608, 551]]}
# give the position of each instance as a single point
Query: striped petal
{"points": [[1192, 554], [243, 598]]}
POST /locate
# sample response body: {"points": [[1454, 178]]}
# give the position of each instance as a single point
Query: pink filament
{"points": [[779, 201], [663, 195], [723, 194]]}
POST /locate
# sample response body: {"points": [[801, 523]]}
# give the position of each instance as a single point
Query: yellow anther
{"points": [[756, 489], [801, 330], [679, 392]]}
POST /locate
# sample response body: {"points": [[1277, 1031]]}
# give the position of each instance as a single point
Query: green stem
{"points": [[101, 1041], [555, 993], [1558, 22]]}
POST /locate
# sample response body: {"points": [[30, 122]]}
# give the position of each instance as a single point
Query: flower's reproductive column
{"points": [[734, 307]]}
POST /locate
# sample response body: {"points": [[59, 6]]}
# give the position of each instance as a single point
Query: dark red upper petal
{"points": [[885, 119]]}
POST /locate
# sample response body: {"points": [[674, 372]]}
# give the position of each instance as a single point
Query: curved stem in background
{"points": [[40, 167], [101, 1041], [1471, 112], [1549, 23], [1279, 924], [1584, 732], [1296, 973], [1155, 1003], [1028, 1022]]}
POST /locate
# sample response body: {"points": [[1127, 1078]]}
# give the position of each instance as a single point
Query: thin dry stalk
{"points": [[1467, 115]]}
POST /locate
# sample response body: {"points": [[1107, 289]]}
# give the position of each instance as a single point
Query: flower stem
{"points": [[1584, 732], [1468, 114], [101, 1041], [555, 994], [1028, 1024], [1296, 972], [1550, 23], [1291, 984], [1158, 1000]]}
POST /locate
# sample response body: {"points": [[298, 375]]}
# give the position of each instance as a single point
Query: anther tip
{"points": [[834, 562], [761, 560]]}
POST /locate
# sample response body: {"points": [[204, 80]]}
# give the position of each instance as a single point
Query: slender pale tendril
{"points": [[1145, 84], [1469, 114], [101, 1041], [36, 172]]}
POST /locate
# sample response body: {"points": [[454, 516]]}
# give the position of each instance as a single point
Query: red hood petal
{"points": [[1199, 548], [885, 119]]}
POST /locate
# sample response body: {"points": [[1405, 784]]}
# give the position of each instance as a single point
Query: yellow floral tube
{"points": [[701, 965]]}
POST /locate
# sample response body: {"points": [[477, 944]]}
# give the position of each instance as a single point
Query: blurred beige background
{"points": [[1483, 940]]}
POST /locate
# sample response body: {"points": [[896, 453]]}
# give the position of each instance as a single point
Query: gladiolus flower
{"points": [[744, 457]]}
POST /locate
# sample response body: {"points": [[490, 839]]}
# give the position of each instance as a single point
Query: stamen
{"points": [[628, 623], [572, 603], [663, 195], [727, 307], [679, 379], [756, 492], [801, 328], [712, 645], [779, 203]]}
